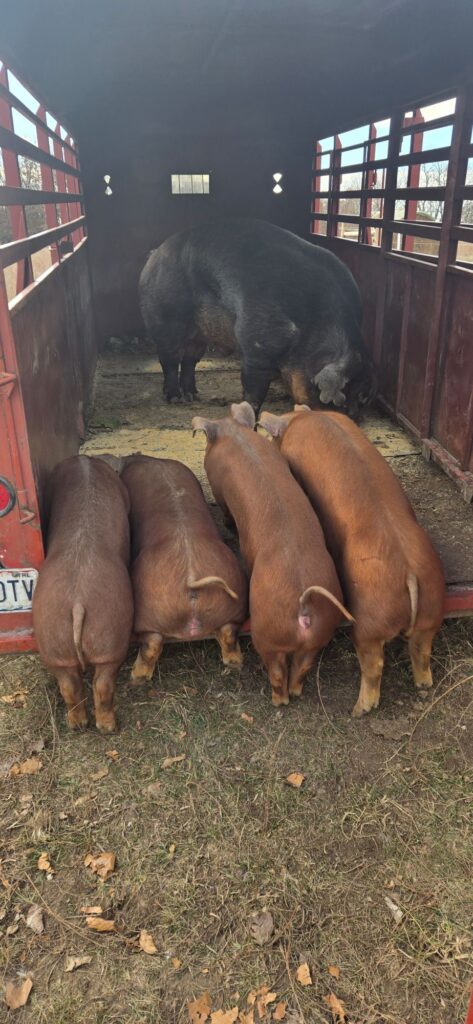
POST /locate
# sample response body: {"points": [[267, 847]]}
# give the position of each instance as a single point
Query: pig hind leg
{"points": [[151, 646], [103, 686], [190, 359], [227, 637], [420, 647], [301, 664], [73, 693], [276, 665], [371, 658]]}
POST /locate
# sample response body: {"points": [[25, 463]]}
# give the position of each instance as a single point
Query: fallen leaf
{"points": [[17, 995], [103, 864], [35, 919], [147, 943], [73, 962], [168, 761], [295, 779], [84, 799], [263, 998], [335, 972], [44, 864], [247, 1017], [303, 975], [182, 734], [153, 789], [97, 911], [336, 1006], [293, 1017], [247, 718], [100, 924], [199, 1009], [28, 767], [101, 774], [12, 929], [16, 700], [224, 1016], [279, 1011], [172, 850], [262, 927], [176, 963], [391, 728], [395, 910], [112, 754]]}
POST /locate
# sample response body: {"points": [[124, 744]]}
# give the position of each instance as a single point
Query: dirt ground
{"points": [[202, 843]]}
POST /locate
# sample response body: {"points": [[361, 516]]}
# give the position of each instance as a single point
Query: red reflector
{"points": [[7, 496]]}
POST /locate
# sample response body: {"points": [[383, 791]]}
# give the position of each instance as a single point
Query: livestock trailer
{"points": [[121, 123]]}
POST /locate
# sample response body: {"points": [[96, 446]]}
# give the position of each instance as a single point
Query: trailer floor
{"points": [[130, 415], [207, 839]]}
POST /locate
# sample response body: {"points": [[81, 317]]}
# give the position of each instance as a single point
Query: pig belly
{"points": [[217, 326]]}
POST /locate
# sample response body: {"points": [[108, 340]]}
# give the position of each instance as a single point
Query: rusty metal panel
{"points": [[54, 339], [453, 398], [395, 287], [417, 331]]}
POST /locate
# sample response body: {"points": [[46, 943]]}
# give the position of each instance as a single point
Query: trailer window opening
{"points": [[405, 158], [40, 187], [190, 184]]}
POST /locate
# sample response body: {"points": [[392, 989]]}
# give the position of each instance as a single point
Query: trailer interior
{"points": [[350, 124]]}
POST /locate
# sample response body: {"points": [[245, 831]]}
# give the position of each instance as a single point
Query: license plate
{"points": [[16, 589]]}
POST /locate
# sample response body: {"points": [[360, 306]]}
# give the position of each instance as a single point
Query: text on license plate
{"points": [[16, 589]]}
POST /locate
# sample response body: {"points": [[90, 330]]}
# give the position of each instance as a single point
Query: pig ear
{"points": [[244, 414], [274, 425], [210, 427], [302, 408]]}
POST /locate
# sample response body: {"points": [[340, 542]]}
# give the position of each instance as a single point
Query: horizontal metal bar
{"points": [[5, 94], [368, 165], [349, 193], [14, 251], [463, 232], [349, 218], [35, 197], [427, 126], [414, 227], [425, 156], [429, 192], [426, 261], [8, 140]]}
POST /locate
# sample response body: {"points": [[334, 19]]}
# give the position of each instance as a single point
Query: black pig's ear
{"points": [[330, 382], [244, 414], [274, 425], [210, 427]]}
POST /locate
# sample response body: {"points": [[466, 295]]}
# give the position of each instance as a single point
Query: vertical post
{"points": [[386, 233], [457, 165], [317, 165], [413, 176], [334, 186], [368, 183], [60, 176], [13, 178], [47, 182]]}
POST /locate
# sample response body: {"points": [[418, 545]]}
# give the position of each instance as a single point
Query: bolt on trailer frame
{"points": [[35, 150]]}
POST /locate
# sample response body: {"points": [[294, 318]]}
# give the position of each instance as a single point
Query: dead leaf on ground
{"points": [[337, 1007], [112, 754], [101, 774], [35, 919], [81, 800], [17, 995], [169, 761], [293, 1017], [279, 1011], [199, 1009], [247, 718], [262, 927], [16, 700], [97, 911], [335, 972], [176, 963], [247, 1016], [73, 962], [102, 864], [100, 924], [12, 929], [295, 779], [28, 767], [303, 974], [44, 864], [171, 850], [224, 1016], [182, 734], [153, 789], [147, 943], [263, 998], [395, 910]]}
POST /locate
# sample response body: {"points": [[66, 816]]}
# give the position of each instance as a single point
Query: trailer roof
{"points": [[289, 64]]}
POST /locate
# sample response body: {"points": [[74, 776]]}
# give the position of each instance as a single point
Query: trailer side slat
{"points": [[10, 196], [13, 251], [13, 101], [12, 142]]}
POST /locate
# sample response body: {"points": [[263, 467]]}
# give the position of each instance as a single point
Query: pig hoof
{"points": [[423, 691], [296, 691], [278, 702], [77, 725], [359, 710], [174, 399], [105, 728]]}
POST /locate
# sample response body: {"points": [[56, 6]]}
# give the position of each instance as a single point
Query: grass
{"points": [[223, 836]]}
